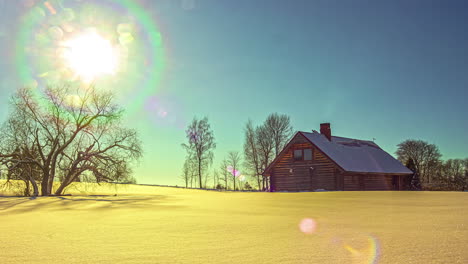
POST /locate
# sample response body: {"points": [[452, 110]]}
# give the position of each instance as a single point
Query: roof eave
{"points": [[381, 173]]}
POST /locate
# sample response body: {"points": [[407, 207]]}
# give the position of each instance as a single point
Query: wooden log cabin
{"points": [[319, 161]]}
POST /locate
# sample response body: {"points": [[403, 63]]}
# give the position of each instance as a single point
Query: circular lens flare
{"points": [[307, 225], [89, 55]]}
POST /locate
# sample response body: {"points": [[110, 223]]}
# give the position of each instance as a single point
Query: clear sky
{"points": [[389, 70]]}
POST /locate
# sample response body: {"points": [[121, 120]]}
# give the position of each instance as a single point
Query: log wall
{"points": [[374, 182], [351, 183]]}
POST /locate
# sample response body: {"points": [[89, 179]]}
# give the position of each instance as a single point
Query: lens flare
{"points": [[359, 254], [50, 8], [308, 226], [124, 52]]}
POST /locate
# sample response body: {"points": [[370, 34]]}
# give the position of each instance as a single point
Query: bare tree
{"points": [[426, 157], [17, 153], [234, 159], [76, 132], [451, 170], [462, 181], [215, 178], [200, 145], [224, 173], [252, 153], [280, 129], [414, 182], [265, 150], [263, 143], [451, 175], [186, 171]]}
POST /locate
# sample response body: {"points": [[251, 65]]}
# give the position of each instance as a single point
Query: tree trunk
{"points": [[69, 178], [60, 189], [199, 173], [35, 188], [51, 181], [26, 190], [44, 185], [258, 181]]}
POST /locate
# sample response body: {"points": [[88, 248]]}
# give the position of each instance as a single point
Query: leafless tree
{"points": [[215, 178], [452, 170], [280, 129], [76, 132], [252, 153], [263, 143], [462, 181], [426, 157], [17, 153], [265, 150], [224, 173], [234, 160], [200, 145], [187, 171], [451, 175]]}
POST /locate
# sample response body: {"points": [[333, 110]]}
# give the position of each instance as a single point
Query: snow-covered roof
{"points": [[357, 155]]}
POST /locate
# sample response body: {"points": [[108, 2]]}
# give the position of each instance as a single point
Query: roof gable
{"points": [[285, 148]]}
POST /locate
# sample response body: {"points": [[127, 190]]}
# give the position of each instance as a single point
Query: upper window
{"points": [[307, 154], [298, 154], [302, 154]]}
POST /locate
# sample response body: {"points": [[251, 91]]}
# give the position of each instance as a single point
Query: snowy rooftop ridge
{"points": [[356, 155]]}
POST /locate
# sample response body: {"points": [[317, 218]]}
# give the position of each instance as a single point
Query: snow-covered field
{"points": [[145, 224]]}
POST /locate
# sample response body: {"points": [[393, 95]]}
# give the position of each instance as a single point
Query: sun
{"points": [[89, 56]]}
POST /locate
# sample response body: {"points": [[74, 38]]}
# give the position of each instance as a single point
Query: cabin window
{"points": [[307, 154], [298, 154]]}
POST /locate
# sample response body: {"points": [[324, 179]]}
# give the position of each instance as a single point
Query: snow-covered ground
{"points": [[145, 224]]}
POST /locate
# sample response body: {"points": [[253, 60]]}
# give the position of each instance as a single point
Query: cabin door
{"points": [[339, 181], [395, 183], [362, 186]]}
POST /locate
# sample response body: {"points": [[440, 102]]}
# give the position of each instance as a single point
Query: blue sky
{"points": [[389, 70]]}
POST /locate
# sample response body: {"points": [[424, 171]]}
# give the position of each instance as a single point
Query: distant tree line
{"points": [[261, 145], [430, 171], [66, 135]]}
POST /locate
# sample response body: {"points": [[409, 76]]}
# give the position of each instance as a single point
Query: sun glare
{"points": [[89, 55]]}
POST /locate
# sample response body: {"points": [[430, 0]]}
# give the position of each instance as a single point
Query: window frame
{"points": [[302, 154], [311, 154], [294, 155]]}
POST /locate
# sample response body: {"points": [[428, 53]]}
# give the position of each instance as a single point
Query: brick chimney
{"points": [[326, 130]]}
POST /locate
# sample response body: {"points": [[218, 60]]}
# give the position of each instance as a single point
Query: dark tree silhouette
{"points": [[234, 160], [188, 171], [280, 130], [415, 183], [200, 145], [426, 157], [69, 133], [252, 153], [224, 173]]}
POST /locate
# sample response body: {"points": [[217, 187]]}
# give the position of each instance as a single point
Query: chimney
{"points": [[325, 130]]}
